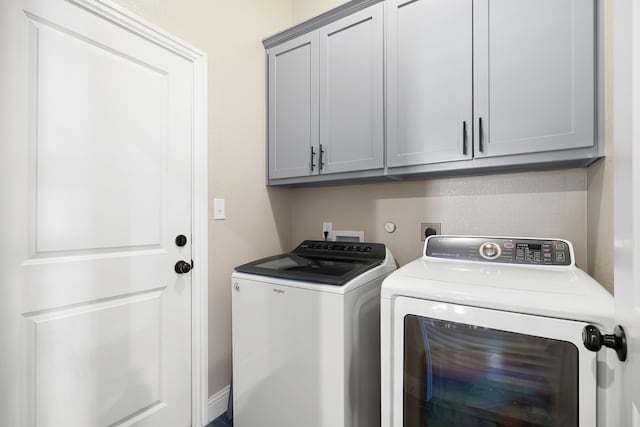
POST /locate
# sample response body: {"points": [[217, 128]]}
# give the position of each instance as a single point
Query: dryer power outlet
{"points": [[430, 227]]}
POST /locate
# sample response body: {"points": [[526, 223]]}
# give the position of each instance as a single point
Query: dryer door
{"points": [[460, 365]]}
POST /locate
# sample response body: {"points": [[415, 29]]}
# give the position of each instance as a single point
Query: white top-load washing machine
{"points": [[488, 331], [306, 336]]}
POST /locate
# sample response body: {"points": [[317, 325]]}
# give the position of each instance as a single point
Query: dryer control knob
{"points": [[490, 250]]}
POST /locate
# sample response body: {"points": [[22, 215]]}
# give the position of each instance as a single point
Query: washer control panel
{"points": [[322, 249], [501, 250]]}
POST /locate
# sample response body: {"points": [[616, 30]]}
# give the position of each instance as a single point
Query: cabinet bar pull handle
{"points": [[321, 157], [464, 138], [312, 154], [480, 139]]}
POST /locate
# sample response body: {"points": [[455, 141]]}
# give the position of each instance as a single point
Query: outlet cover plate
{"points": [[218, 209], [328, 227], [424, 225]]}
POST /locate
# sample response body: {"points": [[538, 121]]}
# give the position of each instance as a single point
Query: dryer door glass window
{"points": [[463, 375]]}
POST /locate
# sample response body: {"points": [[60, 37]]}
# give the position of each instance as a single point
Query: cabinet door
{"points": [[429, 81], [351, 92], [293, 107], [534, 75]]}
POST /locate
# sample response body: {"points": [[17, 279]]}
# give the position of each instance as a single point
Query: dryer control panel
{"points": [[503, 250]]}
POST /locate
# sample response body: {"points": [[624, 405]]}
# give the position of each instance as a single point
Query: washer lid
{"points": [[333, 263]]}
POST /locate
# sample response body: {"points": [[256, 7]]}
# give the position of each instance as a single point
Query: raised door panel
{"points": [[102, 158], [429, 81], [293, 108], [534, 75], [73, 349], [351, 92]]}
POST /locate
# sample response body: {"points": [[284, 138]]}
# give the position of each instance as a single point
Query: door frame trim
{"points": [[199, 192], [625, 116]]}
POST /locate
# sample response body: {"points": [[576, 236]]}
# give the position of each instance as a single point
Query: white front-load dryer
{"points": [[488, 331]]}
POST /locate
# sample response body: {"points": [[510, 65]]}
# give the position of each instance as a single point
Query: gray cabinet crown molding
{"points": [[318, 21]]}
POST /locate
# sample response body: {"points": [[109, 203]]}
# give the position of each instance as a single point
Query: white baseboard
{"points": [[218, 403]]}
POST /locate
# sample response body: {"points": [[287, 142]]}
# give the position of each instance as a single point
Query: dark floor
{"points": [[221, 421]]}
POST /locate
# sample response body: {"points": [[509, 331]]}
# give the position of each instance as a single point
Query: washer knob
{"points": [[490, 250]]}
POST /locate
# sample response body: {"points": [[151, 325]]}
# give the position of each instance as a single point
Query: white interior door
{"points": [[95, 173], [625, 402]]}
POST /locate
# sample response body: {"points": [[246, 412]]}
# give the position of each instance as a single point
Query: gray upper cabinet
{"points": [[293, 108], [351, 92], [534, 65], [388, 89], [429, 81]]}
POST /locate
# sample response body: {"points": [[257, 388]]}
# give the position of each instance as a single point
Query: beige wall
{"points": [[551, 204], [305, 9], [600, 183], [600, 221], [258, 219]]}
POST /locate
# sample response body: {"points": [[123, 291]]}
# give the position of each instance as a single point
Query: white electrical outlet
{"points": [[327, 227]]}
